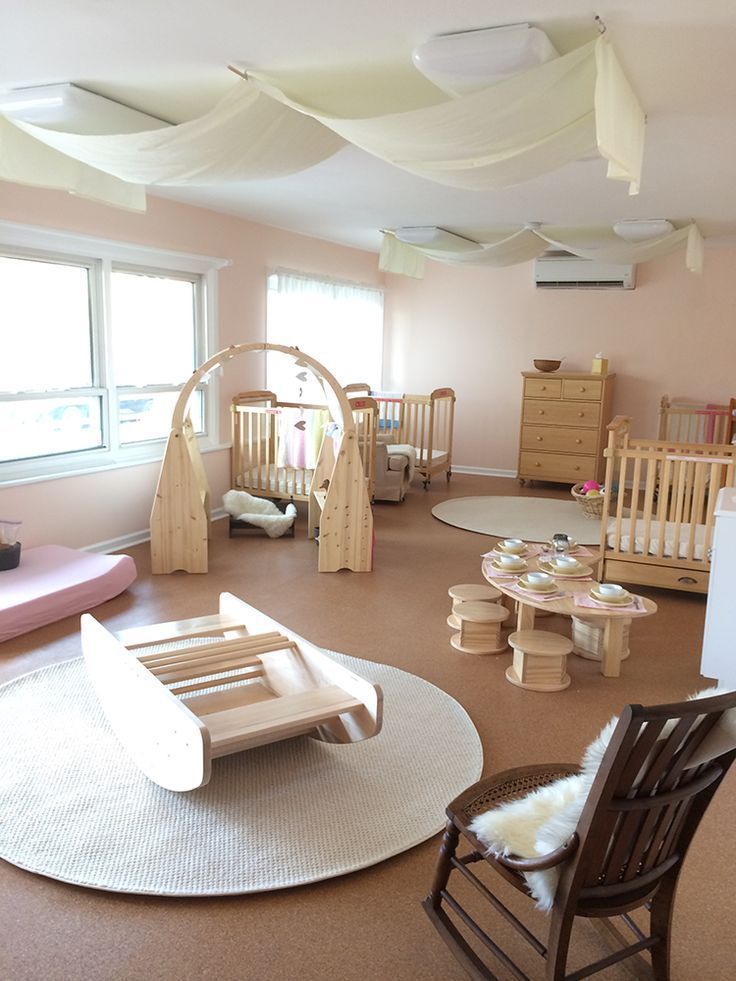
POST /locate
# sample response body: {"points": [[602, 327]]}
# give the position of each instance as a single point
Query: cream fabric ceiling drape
{"points": [[518, 129], [529, 242]]}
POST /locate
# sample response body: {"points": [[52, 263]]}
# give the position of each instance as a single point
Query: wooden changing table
{"points": [[614, 620]]}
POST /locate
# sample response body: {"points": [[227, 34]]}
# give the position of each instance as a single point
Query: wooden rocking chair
{"points": [[659, 773]]}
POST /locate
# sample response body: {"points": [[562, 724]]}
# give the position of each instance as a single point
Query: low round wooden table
{"points": [[614, 618]]}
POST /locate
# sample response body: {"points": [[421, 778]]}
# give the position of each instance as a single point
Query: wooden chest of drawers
{"points": [[563, 426]]}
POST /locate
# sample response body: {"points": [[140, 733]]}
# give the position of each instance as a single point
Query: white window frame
{"points": [[101, 256]]}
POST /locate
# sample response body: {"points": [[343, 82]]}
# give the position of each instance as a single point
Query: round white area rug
{"points": [[74, 807], [535, 519]]}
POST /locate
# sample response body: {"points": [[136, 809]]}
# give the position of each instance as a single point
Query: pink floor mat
{"points": [[53, 582]]}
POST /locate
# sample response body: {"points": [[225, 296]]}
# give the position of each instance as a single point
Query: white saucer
{"points": [[521, 567], [549, 587], [575, 572], [613, 600], [500, 550]]}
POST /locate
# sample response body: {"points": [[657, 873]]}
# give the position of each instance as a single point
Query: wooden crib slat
{"points": [[649, 492], [620, 503], [634, 503], [679, 479], [665, 484]]}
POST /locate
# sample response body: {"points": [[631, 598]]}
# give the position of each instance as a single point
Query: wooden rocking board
{"points": [[172, 714]]}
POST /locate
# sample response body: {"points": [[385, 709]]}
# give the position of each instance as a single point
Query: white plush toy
{"points": [[260, 512]]}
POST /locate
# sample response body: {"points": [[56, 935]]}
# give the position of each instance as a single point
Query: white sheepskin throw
{"points": [[259, 512], [543, 820]]}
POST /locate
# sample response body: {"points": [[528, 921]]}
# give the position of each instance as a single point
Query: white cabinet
{"points": [[719, 640]]}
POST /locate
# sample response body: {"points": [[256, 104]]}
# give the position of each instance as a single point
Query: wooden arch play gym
{"points": [[339, 507]]}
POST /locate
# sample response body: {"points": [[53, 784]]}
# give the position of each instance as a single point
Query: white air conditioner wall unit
{"points": [[563, 271]]}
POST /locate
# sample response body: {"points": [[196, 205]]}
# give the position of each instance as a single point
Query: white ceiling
{"points": [[169, 59]]}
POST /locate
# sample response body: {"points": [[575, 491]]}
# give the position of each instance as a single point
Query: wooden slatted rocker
{"points": [[173, 715]]}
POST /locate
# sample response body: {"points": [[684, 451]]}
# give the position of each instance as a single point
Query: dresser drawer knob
{"points": [[581, 415], [539, 439], [583, 388], [541, 412], [578, 441], [537, 464], [577, 468], [544, 388], [687, 581]]}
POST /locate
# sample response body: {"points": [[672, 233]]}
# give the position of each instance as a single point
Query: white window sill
{"points": [[102, 461]]}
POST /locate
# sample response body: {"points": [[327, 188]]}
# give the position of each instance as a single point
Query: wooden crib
{"points": [[658, 511], [425, 422], [260, 460], [695, 422]]}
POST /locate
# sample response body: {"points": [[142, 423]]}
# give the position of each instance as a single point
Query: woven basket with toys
{"points": [[590, 498]]}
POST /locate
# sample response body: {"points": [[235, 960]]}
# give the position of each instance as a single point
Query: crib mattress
{"points": [[670, 545], [53, 582]]}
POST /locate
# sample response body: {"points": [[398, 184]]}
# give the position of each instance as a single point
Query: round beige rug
{"points": [[74, 807], [535, 519]]}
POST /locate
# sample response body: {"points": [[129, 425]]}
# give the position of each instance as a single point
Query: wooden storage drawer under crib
{"points": [[663, 576]]}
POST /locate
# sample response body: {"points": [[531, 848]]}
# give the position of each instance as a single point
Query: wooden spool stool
{"points": [[540, 658], [587, 638], [480, 628], [470, 592]]}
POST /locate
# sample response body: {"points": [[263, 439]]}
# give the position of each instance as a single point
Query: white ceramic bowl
{"points": [[610, 590], [513, 545], [538, 578], [564, 563], [510, 561]]}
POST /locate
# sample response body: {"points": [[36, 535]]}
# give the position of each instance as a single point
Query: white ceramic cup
{"points": [[564, 562], [610, 589], [538, 578], [510, 561], [513, 545]]}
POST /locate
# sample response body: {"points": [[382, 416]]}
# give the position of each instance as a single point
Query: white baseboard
{"points": [[484, 471], [136, 537]]}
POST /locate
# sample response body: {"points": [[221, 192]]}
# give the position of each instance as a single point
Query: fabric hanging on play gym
{"points": [[513, 131]]}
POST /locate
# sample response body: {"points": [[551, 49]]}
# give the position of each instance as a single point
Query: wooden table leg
{"points": [[525, 617], [613, 646]]}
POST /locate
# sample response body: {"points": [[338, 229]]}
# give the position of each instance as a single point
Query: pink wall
{"points": [[477, 329], [472, 329], [90, 509]]}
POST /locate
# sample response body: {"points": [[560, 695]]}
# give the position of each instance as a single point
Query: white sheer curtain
{"points": [[505, 249], [339, 324]]}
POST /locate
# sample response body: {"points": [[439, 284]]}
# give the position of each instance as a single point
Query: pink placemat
{"points": [[490, 572], [636, 605], [527, 594]]}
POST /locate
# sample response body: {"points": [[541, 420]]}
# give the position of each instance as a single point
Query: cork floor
{"points": [[367, 925]]}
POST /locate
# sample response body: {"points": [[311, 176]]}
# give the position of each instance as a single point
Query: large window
{"points": [[94, 349], [338, 324]]}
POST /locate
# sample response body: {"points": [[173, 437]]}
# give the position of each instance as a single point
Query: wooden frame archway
{"points": [[339, 506]]}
